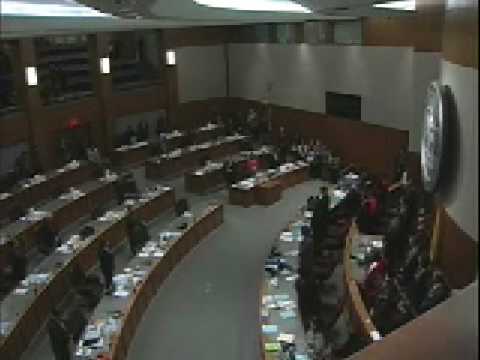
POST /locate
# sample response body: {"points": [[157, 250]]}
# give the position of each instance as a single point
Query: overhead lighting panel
{"points": [[256, 5], [59, 8], [406, 5]]}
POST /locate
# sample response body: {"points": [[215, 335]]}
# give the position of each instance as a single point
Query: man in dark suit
{"points": [[320, 218], [107, 265], [59, 336], [46, 238]]}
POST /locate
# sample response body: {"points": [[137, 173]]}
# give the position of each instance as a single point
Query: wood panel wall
{"points": [[456, 252], [139, 100], [421, 30], [357, 142], [13, 128], [460, 38]]}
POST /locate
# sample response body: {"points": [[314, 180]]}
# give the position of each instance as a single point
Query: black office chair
{"points": [[181, 206]]}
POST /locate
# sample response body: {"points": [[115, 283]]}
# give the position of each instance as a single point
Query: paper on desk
{"points": [[121, 293], [20, 291], [301, 357], [292, 277], [265, 313], [287, 304], [287, 338], [267, 299], [273, 347], [274, 282], [286, 236], [269, 329], [288, 314], [292, 253]]}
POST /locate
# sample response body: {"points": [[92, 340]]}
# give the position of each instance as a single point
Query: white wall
{"points": [[462, 201], [389, 79], [201, 72]]}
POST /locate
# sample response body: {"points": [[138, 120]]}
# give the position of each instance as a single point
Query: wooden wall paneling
{"points": [[421, 30], [55, 120], [389, 31], [14, 129], [460, 36], [193, 114], [446, 332], [137, 101], [371, 146], [456, 252]]}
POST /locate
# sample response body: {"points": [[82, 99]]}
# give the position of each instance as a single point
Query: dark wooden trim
{"points": [[460, 37], [448, 331], [457, 252]]}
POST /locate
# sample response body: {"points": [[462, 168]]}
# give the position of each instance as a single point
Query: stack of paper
{"points": [[273, 347]]}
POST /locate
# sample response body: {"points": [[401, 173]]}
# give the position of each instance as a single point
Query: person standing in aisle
{"points": [[107, 265]]}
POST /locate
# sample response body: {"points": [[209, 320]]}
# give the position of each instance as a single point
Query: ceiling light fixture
{"points": [[31, 76], [62, 8], [406, 5], [256, 5], [105, 65], [170, 57]]}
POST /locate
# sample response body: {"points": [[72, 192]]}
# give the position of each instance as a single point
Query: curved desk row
{"points": [[205, 178], [37, 189], [268, 192], [25, 310], [188, 158], [59, 213], [147, 270], [359, 316], [139, 152]]}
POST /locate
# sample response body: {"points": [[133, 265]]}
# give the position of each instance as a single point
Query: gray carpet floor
{"points": [[208, 308]]}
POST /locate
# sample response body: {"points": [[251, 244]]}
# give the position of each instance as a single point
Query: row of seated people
{"points": [[321, 253], [131, 136], [48, 238], [323, 165], [402, 283]]}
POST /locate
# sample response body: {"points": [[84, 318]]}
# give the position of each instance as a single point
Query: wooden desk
{"points": [[27, 313], [63, 212], [166, 165], [57, 181], [201, 182], [245, 198], [206, 133], [130, 155], [268, 193], [157, 270]]}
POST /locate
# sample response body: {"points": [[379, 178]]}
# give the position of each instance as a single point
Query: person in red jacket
{"points": [[251, 166]]}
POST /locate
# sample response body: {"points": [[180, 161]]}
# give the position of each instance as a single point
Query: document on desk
{"points": [[288, 314], [273, 347], [269, 329]]}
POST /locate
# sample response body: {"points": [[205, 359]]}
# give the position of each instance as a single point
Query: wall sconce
{"points": [[31, 76], [105, 65], [170, 57]]}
